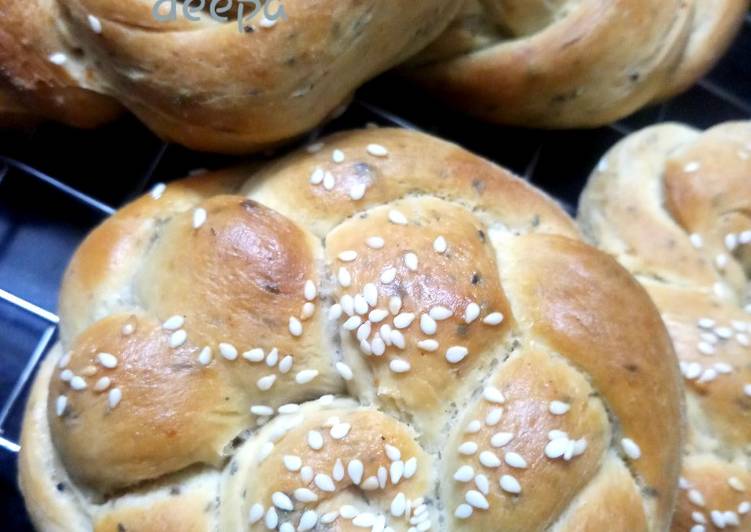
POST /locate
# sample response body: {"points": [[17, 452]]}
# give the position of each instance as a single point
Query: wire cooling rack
{"points": [[56, 184]]}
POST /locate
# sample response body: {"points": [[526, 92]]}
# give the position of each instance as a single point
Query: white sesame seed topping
{"points": [[731, 241], [308, 521], [631, 448], [509, 484], [403, 320], [493, 395], [556, 447], [199, 217], [178, 338], [348, 511], [295, 327], [364, 520], [468, 448], [464, 474], [395, 305], [315, 440], [347, 255], [227, 350], [399, 365], [254, 355], [66, 375], [456, 354], [410, 261], [261, 410], [315, 147], [265, 383], [471, 312], [396, 217], [94, 24], [370, 293], [473, 426], [718, 518], [736, 484], [476, 499], [102, 384], [396, 471], [376, 150], [695, 497], [410, 467], [256, 513], [344, 371], [744, 507], [355, 471], [305, 376], [352, 323], [705, 348], [428, 325], [696, 240], [205, 356], [706, 323], [289, 408], [388, 275], [493, 318], [463, 511], [340, 430], [357, 191], [721, 261], [310, 291], [440, 313], [281, 501], [158, 190], [439, 245], [337, 156], [489, 459], [375, 242], [397, 339], [305, 495], [113, 397], [482, 483], [334, 312], [382, 477], [316, 178], [308, 309], [58, 58], [77, 383], [691, 167], [271, 520], [107, 360], [61, 403], [698, 528], [344, 277], [515, 460], [493, 416], [306, 474], [558, 408], [64, 361], [499, 439], [428, 345], [398, 505], [378, 315], [173, 323], [324, 482]]}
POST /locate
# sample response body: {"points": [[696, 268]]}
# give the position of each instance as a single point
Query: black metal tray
{"points": [[57, 183]]}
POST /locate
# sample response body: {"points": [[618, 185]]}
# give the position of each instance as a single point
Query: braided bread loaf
{"points": [[205, 83], [574, 63], [674, 206], [499, 370]]}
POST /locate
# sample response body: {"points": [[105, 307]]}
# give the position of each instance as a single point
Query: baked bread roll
{"points": [[673, 205], [573, 63], [381, 331], [210, 85]]}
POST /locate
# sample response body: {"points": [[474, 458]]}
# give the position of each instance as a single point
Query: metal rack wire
{"points": [[544, 158]]}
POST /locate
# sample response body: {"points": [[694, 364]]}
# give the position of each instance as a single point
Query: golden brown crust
{"points": [[674, 205], [207, 327], [207, 84], [563, 63]]}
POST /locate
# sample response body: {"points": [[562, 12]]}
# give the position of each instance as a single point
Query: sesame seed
{"points": [[556, 448], [89, 371], [344, 371], [718, 518], [107, 360], [254, 355], [282, 501], [94, 24], [456, 354], [344, 277], [476, 499], [77, 383], [58, 58], [329, 181], [348, 511], [695, 497], [428, 325], [102, 384], [352, 323], [64, 361], [489, 459], [199, 217], [61, 403], [440, 313], [722, 367], [493, 395], [744, 507], [375, 242], [178, 338], [255, 513], [304, 494], [363, 331], [558, 408], [410, 261], [698, 528], [464, 474], [272, 519], [404, 320], [355, 471], [692, 370], [370, 294], [113, 397], [324, 482], [721, 261], [228, 350], [396, 217], [173, 323], [347, 256], [731, 518], [493, 416], [706, 323], [428, 345], [315, 440], [471, 312], [376, 150], [308, 309], [696, 240], [439, 245], [499, 439], [745, 237], [337, 156], [305, 376], [482, 483], [66, 375], [463, 511], [316, 178], [468, 448], [261, 410], [705, 348], [315, 147], [725, 333], [493, 318], [691, 167], [378, 346], [308, 521], [340, 430], [310, 291], [265, 383], [698, 517], [398, 505], [364, 520], [631, 448], [306, 474], [396, 471], [515, 460], [295, 327], [399, 365], [731, 241], [388, 275], [509, 484], [382, 477], [289, 408], [357, 191], [473, 426], [157, 191], [397, 339], [204, 357], [410, 467], [378, 315], [736, 484]]}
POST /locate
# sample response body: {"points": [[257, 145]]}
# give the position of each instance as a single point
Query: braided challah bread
{"points": [[499, 371], [674, 206], [204, 83], [573, 63]]}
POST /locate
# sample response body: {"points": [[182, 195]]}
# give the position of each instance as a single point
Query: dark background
{"points": [[56, 183]]}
